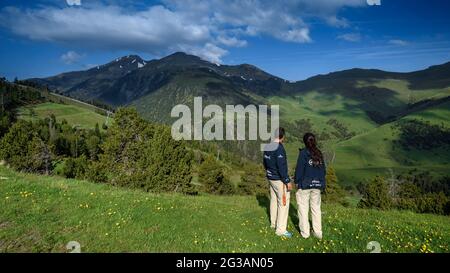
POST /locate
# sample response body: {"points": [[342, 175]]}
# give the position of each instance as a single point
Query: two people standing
{"points": [[309, 178]]}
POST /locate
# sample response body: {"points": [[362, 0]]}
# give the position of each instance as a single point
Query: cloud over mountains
{"points": [[202, 27]]}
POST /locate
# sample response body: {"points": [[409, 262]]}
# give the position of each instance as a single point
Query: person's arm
{"points": [[282, 165], [300, 169], [264, 161]]}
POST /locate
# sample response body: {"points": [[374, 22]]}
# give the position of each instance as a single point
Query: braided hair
{"points": [[310, 142]]}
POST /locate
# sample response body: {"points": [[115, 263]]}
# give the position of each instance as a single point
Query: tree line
{"points": [[415, 191]]}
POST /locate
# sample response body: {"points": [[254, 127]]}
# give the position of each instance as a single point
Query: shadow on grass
{"points": [[264, 202]]}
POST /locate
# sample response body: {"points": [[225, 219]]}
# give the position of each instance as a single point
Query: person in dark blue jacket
{"points": [[275, 164], [310, 179]]}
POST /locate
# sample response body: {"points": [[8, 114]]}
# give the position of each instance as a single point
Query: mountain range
{"points": [[358, 113], [155, 86]]}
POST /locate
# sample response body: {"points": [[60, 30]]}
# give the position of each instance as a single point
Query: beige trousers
{"points": [[305, 199], [278, 212]]}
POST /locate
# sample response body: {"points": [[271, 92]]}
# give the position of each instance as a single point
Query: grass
{"points": [[319, 108], [42, 214], [404, 93], [374, 152], [73, 114]]}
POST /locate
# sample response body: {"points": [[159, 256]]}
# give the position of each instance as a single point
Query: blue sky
{"points": [[293, 39]]}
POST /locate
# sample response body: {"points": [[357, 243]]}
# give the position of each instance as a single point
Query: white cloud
{"points": [[337, 22], [398, 42], [350, 37], [209, 52], [73, 2], [231, 41], [296, 35], [70, 57], [205, 27]]}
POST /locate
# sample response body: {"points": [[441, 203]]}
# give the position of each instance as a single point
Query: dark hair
{"points": [[310, 142], [279, 132]]}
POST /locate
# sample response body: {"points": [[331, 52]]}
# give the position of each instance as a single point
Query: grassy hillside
{"points": [[370, 152], [319, 108], [403, 91], [73, 114], [42, 214], [373, 153]]}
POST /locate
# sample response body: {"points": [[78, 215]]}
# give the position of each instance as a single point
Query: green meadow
{"points": [[42, 214], [75, 115], [366, 155], [319, 108], [404, 93]]}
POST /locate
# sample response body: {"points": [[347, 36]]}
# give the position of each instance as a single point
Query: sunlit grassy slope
{"points": [[374, 152], [404, 93], [42, 214], [371, 152], [74, 115], [319, 108]]}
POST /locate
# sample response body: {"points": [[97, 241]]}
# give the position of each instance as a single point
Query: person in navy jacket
{"points": [[275, 164], [310, 180]]}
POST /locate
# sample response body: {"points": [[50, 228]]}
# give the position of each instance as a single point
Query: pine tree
{"points": [[142, 155], [13, 146], [253, 182], [376, 195], [213, 179], [39, 157], [333, 192]]}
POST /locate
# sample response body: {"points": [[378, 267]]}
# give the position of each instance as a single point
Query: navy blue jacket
{"points": [[275, 162], [307, 176]]}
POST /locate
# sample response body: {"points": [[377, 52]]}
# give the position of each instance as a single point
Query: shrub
{"points": [[333, 192], [406, 204], [5, 122], [93, 146], [96, 172], [213, 179], [376, 195], [433, 203], [253, 182], [75, 167]]}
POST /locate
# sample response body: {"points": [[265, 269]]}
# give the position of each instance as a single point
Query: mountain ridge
{"points": [[130, 80]]}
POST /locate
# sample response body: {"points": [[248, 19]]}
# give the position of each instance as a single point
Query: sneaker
{"points": [[318, 236], [286, 234]]}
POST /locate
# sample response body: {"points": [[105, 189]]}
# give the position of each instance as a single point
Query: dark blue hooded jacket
{"points": [[308, 176], [275, 162]]}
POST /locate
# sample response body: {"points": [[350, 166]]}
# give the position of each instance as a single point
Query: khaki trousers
{"points": [[278, 212], [305, 199]]}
